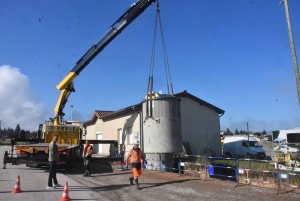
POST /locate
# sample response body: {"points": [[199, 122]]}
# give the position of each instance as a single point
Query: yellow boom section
{"points": [[66, 86], [66, 81]]}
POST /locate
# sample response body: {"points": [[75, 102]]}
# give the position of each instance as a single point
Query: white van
{"points": [[238, 146]]}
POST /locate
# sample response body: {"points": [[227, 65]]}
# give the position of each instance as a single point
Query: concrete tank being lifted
{"points": [[162, 127]]}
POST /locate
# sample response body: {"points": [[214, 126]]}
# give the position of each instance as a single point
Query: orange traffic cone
{"points": [[65, 196], [17, 188]]}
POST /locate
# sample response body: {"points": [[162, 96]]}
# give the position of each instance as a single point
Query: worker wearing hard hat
{"points": [[137, 161]]}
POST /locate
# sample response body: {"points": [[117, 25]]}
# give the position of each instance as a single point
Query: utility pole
{"points": [[248, 141], [71, 112], [294, 56]]}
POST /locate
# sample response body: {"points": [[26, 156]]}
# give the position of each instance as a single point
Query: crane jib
{"points": [[132, 13], [66, 85]]}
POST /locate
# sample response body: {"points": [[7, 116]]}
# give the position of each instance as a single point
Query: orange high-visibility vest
{"points": [[136, 155], [87, 150]]}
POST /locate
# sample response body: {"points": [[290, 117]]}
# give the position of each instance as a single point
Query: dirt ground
{"points": [[111, 182]]}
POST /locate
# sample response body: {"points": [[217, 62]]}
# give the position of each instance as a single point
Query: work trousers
{"points": [[86, 163], [52, 173]]}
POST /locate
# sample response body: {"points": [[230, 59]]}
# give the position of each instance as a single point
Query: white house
{"points": [[200, 123]]}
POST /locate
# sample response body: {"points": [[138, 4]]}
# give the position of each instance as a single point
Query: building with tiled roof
{"points": [[200, 124]]}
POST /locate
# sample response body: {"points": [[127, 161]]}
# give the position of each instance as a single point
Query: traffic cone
{"points": [[65, 196], [17, 188]]}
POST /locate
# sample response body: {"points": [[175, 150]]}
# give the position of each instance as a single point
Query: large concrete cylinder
{"points": [[162, 133]]}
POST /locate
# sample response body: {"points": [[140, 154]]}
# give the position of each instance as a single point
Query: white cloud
{"points": [[18, 103]]}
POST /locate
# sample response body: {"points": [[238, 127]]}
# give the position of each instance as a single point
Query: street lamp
{"points": [[71, 112]]}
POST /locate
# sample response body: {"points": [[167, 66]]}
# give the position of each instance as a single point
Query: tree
{"points": [[257, 133], [22, 134], [32, 135], [236, 132], [228, 132], [264, 132], [11, 132], [27, 134], [17, 131]]}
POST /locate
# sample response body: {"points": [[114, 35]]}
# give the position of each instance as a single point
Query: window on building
{"points": [[130, 135], [120, 133]]}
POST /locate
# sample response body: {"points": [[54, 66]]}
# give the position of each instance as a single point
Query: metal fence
{"points": [[207, 167]]}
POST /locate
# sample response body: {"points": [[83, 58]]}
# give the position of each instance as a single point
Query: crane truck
{"points": [[71, 133]]}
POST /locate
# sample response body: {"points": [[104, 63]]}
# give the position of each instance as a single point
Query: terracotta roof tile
{"points": [[100, 113]]}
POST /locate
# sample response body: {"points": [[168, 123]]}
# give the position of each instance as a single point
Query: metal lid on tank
{"points": [[158, 96]]}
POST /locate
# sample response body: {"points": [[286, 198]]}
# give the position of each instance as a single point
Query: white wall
{"points": [[194, 119], [111, 129], [282, 133]]}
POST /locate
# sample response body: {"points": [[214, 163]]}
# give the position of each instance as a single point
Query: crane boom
{"points": [[66, 86]]}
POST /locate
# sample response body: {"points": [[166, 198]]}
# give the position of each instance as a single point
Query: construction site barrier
{"points": [[197, 163], [280, 176], [211, 168], [287, 176]]}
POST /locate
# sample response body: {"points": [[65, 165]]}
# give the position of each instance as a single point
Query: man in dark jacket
{"points": [[53, 159]]}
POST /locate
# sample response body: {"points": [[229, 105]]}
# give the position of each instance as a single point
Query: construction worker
{"points": [[87, 156], [137, 162], [5, 156], [53, 159]]}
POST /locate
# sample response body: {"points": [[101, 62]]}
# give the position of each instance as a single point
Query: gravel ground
{"points": [[114, 185]]}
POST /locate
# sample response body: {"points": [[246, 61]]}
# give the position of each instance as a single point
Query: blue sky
{"points": [[233, 54]]}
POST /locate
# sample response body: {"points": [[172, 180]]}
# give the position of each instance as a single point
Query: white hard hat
{"points": [[136, 142]]}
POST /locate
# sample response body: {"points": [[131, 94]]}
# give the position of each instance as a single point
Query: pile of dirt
{"points": [[268, 147]]}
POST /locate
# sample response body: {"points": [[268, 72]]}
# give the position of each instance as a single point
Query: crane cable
{"points": [[167, 67], [166, 62], [149, 102]]}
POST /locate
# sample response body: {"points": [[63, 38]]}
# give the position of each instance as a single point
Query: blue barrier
{"points": [[211, 168]]}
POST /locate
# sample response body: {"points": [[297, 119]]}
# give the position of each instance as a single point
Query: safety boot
{"points": [[131, 180], [137, 184]]}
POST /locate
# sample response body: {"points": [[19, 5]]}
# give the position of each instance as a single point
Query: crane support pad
{"points": [[100, 141], [19, 161], [13, 140], [99, 159]]}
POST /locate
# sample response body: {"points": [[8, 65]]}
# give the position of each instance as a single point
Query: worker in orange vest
{"points": [[87, 156], [137, 162]]}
